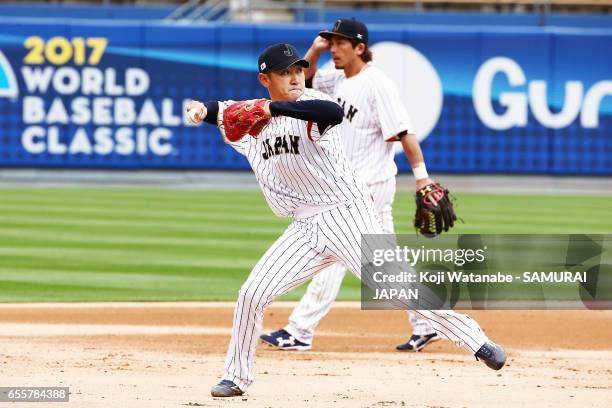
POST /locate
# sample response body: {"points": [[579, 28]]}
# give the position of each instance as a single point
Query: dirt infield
{"points": [[168, 355]]}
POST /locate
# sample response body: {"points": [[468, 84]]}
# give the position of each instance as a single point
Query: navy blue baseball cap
{"points": [[348, 28], [280, 56]]}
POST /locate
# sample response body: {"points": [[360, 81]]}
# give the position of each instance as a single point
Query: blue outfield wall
{"points": [[91, 94]]}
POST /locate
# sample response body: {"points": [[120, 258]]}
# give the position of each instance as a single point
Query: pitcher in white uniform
{"points": [[374, 118], [300, 165]]}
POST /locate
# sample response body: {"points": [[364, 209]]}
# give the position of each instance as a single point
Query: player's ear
{"points": [[264, 80], [360, 48]]}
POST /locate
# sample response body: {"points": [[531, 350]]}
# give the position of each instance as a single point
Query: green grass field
{"points": [[122, 244]]}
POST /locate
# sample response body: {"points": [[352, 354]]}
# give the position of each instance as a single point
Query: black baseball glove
{"points": [[434, 210]]}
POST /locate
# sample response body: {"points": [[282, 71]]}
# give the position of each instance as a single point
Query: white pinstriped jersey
{"points": [[300, 171], [373, 115]]}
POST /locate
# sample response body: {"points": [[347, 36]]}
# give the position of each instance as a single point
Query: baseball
{"points": [[192, 115], [195, 115]]}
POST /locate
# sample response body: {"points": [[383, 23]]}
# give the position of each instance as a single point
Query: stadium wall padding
{"points": [[511, 100]]}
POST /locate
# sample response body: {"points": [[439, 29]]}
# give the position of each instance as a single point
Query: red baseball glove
{"points": [[245, 117]]}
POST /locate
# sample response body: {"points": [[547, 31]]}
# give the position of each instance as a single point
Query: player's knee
{"points": [[245, 294], [256, 298], [250, 296]]}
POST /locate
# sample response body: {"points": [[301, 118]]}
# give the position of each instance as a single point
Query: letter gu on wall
{"points": [[576, 100]]}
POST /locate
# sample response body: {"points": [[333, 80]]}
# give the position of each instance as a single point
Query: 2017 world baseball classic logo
{"points": [[71, 105]]}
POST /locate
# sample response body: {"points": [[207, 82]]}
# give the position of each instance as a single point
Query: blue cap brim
{"points": [[328, 34], [299, 61]]}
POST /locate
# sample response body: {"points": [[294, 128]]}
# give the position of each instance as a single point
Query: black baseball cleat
{"points": [[226, 388], [283, 340], [493, 355], [417, 343]]}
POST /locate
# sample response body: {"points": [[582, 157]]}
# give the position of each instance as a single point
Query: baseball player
{"points": [[374, 117], [298, 160]]}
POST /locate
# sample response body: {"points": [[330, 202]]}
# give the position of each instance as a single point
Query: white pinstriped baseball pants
{"points": [[324, 287], [306, 247]]}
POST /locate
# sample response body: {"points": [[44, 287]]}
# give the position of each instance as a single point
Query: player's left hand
{"points": [[434, 209]]}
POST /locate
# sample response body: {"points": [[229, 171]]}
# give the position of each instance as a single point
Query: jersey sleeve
{"points": [[240, 145], [320, 131], [390, 110], [326, 80]]}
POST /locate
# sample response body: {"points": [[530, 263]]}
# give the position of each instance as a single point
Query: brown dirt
{"points": [[168, 355]]}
